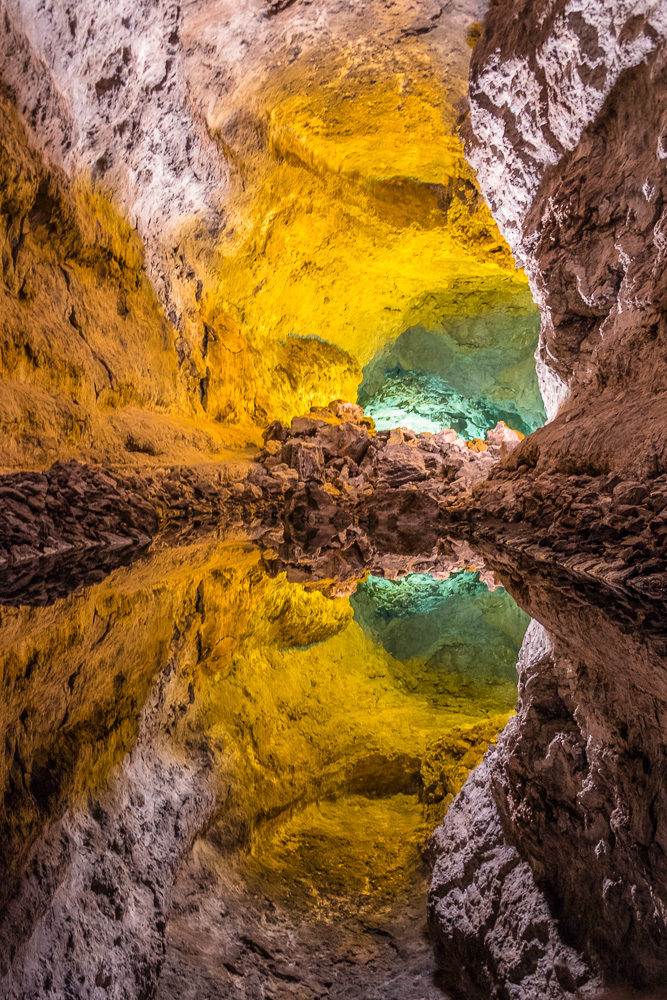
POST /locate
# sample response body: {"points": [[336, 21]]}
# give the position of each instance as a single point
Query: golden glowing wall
{"points": [[350, 215], [357, 218], [88, 360]]}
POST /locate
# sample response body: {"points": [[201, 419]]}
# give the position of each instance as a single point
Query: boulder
{"points": [[398, 464], [306, 458]]}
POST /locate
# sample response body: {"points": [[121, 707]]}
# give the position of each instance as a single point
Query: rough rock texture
{"points": [[594, 260], [606, 527], [337, 447], [257, 190], [357, 500], [495, 928], [472, 368], [79, 521], [90, 912], [575, 802], [344, 483], [254, 227], [88, 360], [576, 178], [70, 506], [331, 461]]}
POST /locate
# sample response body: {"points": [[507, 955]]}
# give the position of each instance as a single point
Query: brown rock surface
{"points": [[580, 194], [573, 794], [73, 523]]}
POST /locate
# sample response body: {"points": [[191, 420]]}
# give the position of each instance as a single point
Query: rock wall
{"points": [[283, 218], [86, 353], [575, 178], [563, 887]]}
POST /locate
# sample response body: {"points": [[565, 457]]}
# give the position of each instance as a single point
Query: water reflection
{"points": [[219, 781], [572, 801], [451, 626], [196, 749]]}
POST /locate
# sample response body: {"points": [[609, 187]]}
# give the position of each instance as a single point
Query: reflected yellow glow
{"points": [[320, 741], [351, 846], [335, 744]]}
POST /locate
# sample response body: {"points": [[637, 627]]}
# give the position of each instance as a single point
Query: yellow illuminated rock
{"points": [[334, 743], [351, 846], [331, 209], [88, 361], [350, 216], [365, 221]]}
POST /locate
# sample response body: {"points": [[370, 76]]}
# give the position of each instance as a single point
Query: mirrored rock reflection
{"points": [[232, 769]]}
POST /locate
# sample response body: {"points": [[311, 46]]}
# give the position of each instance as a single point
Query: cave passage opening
{"points": [[467, 374], [365, 264]]}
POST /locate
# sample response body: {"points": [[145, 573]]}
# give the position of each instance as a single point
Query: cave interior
{"points": [[333, 500]]}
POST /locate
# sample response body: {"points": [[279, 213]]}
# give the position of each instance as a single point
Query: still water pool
{"points": [[220, 783]]}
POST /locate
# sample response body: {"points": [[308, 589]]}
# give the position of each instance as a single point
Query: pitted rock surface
{"points": [[573, 795], [591, 238]]}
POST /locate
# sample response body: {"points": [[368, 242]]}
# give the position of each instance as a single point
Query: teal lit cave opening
{"points": [[467, 374], [455, 629]]}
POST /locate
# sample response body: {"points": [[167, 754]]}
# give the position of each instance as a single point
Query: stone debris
{"points": [[338, 447], [70, 506]]}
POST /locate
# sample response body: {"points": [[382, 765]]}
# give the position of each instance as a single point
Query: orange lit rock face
{"points": [[88, 361], [296, 214]]}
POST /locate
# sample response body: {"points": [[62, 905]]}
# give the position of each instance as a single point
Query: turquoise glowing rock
{"points": [[456, 625], [467, 376]]}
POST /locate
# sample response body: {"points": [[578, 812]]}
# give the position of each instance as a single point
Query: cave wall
{"points": [[88, 360], [560, 889], [575, 178], [292, 186], [550, 867]]}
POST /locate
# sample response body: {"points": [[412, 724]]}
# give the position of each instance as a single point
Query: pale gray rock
{"points": [[541, 78], [495, 931], [89, 917], [528, 108]]}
